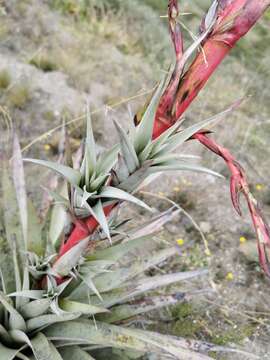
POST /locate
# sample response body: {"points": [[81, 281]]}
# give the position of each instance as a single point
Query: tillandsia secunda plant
{"points": [[71, 290], [104, 287], [98, 186]]}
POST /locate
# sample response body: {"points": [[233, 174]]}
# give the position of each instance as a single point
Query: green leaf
{"points": [[30, 294], [16, 321], [182, 166], [96, 184], [74, 306], [98, 213], [41, 322], [116, 336], [114, 253], [69, 260], [19, 183], [179, 138], [73, 176], [127, 149], [126, 311], [75, 353], [145, 128], [90, 148], [132, 183], [36, 243], [44, 349], [114, 193], [8, 354], [107, 160], [12, 225], [115, 279], [35, 308], [142, 286], [59, 216]]}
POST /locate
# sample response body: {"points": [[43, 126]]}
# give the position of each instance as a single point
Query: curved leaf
{"points": [[73, 176]]}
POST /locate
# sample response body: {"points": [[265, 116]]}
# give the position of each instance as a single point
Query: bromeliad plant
{"points": [[103, 288], [74, 290]]}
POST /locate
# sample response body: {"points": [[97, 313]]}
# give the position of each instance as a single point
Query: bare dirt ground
{"points": [[51, 59]]}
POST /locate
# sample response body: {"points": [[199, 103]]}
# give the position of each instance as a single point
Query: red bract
{"points": [[82, 229], [239, 185], [233, 20], [226, 22]]}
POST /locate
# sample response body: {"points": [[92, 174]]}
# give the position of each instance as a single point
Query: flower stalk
{"points": [[225, 23]]}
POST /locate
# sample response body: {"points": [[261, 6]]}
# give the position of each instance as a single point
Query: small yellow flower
{"points": [[259, 187], [176, 189], [229, 276], [242, 239], [161, 193], [180, 242], [47, 147]]}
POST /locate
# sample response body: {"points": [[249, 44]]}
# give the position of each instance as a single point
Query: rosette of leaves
{"points": [[104, 181], [103, 287]]}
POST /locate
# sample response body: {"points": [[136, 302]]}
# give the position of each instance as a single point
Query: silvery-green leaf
{"points": [[121, 172], [126, 311], [17, 272], [107, 160], [114, 193], [154, 225], [159, 160], [73, 176], [7, 353], [161, 140], [114, 253], [44, 349], [211, 14], [35, 308], [127, 149], [19, 183], [145, 128], [89, 284], [112, 280], [13, 231], [58, 198], [41, 322], [36, 243], [145, 154], [181, 137], [16, 321], [142, 286], [74, 353], [4, 335], [21, 300], [75, 307], [30, 294], [116, 336], [101, 218], [70, 259], [133, 182], [59, 219], [183, 167], [96, 184], [90, 148]]}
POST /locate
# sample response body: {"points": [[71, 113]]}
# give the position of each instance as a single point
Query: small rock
{"points": [[205, 227]]}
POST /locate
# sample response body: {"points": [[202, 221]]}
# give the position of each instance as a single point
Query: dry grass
{"points": [[5, 79]]}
